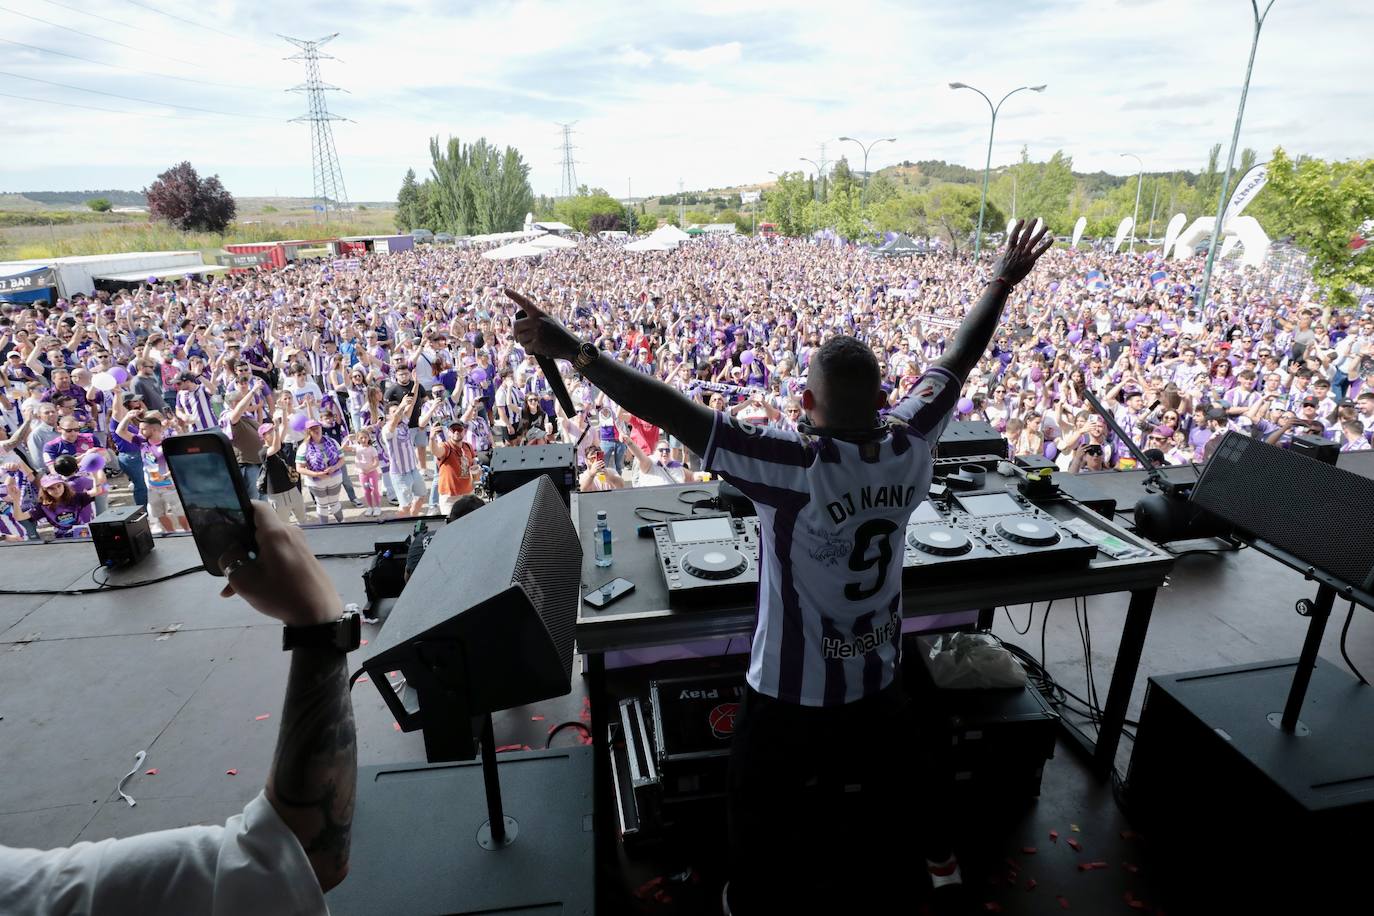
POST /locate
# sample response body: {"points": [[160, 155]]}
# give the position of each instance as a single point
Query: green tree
{"points": [[785, 203], [579, 211], [842, 178], [1208, 187], [100, 204], [1326, 202], [905, 213], [479, 188], [953, 211], [407, 203]]}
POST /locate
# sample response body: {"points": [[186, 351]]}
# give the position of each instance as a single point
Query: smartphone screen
{"points": [[211, 490], [611, 591]]}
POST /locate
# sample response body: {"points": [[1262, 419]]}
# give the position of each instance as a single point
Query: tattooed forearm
{"points": [[314, 772]]}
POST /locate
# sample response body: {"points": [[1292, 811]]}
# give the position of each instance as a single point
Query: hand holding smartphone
{"points": [[211, 489]]}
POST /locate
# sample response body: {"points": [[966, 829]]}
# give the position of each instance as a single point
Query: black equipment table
{"points": [[644, 618]]}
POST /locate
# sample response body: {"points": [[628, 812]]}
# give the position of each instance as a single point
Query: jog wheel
{"points": [[714, 562], [939, 540], [1028, 530]]}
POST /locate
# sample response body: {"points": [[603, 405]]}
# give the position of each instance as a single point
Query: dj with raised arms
{"points": [[821, 738]]}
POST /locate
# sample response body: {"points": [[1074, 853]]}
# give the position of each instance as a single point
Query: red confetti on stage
{"points": [[364, 680], [512, 747], [1028, 850], [266, 715], [1074, 844], [992, 906], [231, 772], [152, 772], [396, 725], [1063, 902], [1031, 884], [536, 718], [1054, 836], [1092, 866], [1130, 867], [363, 643], [1134, 903]]}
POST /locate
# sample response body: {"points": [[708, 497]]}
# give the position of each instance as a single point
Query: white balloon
{"points": [[104, 381]]}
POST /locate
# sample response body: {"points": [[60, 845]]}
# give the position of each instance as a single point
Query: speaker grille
{"points": [[1318, 513], [549, 569]]}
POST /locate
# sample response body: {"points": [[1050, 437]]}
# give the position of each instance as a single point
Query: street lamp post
{"points": [[983, 205], [1231, 156], [1140, 177], [863, 194]]}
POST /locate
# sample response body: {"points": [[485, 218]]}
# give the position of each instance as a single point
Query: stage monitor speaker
{"points": [[121, 536], [962, 439], [514, 467], [1288, 500], [486, 621], [1317, 447]]}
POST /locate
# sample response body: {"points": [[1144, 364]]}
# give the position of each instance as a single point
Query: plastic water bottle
{"points": [[601, 538]]}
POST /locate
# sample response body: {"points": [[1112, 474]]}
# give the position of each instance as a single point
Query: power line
{"points": [[90, 60], [130, 98], [147, 114], [98, 37], [568, 182], [208, 28], [87, 13]]}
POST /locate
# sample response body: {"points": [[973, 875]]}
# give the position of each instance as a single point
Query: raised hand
{"points": [[1024, 248], [540, 334]]}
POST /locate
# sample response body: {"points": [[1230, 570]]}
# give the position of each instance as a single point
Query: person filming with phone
{"points": [[291, 843]]}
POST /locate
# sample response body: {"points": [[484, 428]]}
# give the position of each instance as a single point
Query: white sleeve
{"points": [[254, 863]]}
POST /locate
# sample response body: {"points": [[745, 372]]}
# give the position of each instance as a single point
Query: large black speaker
{"points": [[1248, 815], [514, 467], [973, 437], [121, 536], [1314, 511], [486, 621]]}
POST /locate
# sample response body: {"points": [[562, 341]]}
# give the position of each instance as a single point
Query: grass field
{"points": [[29, 233]]}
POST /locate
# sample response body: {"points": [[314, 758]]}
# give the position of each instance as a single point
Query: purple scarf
{"points": [[322, 454]]}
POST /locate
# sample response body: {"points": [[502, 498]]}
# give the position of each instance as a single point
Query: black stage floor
{"points": [[87, 681]]}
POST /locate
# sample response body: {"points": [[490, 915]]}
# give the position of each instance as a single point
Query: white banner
{"points": [[1171, 234], [1250, 185], [1121, 232], [1078, 228], [750, 197]]}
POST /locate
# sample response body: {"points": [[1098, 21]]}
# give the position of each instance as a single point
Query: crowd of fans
{"points": [[381, 385]]}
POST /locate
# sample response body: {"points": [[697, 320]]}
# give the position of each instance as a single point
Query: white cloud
{"points": [[718, 92], [631, 56], [704, 58]]}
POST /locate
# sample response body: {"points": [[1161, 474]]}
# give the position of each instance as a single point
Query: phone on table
{"points": [[211, 489], [609, 593]]}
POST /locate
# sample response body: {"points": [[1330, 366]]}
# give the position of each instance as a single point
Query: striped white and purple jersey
{"points": [[832, 515], [196, 404], [399, 450]]}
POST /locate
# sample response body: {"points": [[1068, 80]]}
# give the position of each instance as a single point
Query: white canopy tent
{"points": [[514, 250], [550, 242], [664, 238]]}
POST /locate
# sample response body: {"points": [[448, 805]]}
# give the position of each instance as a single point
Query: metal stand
{"points": [[1317, 612]]}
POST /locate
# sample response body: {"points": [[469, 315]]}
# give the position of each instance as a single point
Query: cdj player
{"points": [[709, 558], [976, 533]]}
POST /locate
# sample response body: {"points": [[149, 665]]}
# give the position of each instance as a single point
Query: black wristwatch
{"points": [[585, 356], [344, 634]]}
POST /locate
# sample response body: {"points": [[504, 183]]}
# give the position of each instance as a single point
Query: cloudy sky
{"points": [[711, 92]]}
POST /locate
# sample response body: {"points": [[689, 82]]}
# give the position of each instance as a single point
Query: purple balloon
{"points": [[298, 422], [92, 461], [120, 374], [964, 406]]}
